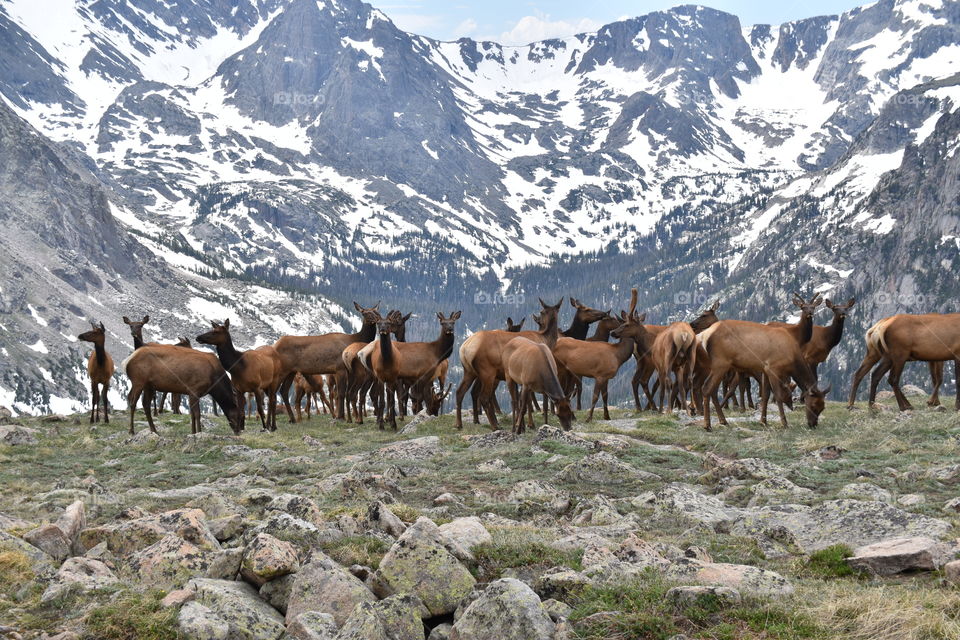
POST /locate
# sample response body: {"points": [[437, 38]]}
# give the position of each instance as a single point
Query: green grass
{"points": [[131, 616], [511, 549], [829, 563], [644, 612], [360, 550]]}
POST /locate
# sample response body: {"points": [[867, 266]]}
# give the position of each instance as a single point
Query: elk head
{"points": [[840, 310], [433, 399], [446, 324], [707, 318], [183, 342], [807, 308], [584, 313], [814, 401], [370, 315], [385, 326], [136, 328], [514, 328], [96, 335], [399, 324], [219, 335], [565, 413]]}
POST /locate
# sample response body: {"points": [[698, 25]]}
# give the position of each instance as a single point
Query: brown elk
{"points": [[605, 326], [412, 363], [602, 360], [256, 371], [310, 388], [193, 373], [482, 361], [100, 369], [674, 355], [175, 398], [136, 330], [802, 331], [530, 366], [514, 328], [312, 355], [583, 317], [360, 380], [873, 356], [930, 337], [761, 350]]}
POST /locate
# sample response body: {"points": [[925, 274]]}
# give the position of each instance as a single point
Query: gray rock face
{"points": [[249, 617], [393, 618], [198, 622], [333, 590], [312, 625], [899, 555], [509, 606]]}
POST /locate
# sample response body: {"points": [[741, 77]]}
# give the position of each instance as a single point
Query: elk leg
{"points": [[956, 374], [258, 397], [391, 405], [868, 361], [94, 399], [132, 397], [105, 401], [603, 393], [465, 385], [297, 398], [285, 395], [593, 403], [875, 379], [783, 416], [195, 425], [936, 379], [487, 390], [635, 385], [710, 388], [148, 398], [896, 370], [764, 398]]}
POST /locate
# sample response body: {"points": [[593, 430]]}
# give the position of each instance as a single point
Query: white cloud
{"points": [[466, 28], [540, 27]]}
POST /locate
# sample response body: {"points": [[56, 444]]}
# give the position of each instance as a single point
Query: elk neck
{"points": [[367, 333], [387, 352], [625, 348], [836, 331], [578, 328], [803, 374], [230, 358], [101, 353]]}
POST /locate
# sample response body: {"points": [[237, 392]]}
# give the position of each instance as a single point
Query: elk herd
{"points": [[690, 366]]}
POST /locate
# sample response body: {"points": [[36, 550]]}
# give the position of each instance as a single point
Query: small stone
{"points": [[466, 532], [865, 491], [557, 610], [445, 498], [951, 571], [911, 499], [277, 592], [266, 558], [493, 466], [177, 598], [51, 540], [381, 518], [952, 505]]}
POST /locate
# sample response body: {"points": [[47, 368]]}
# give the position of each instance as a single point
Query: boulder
{"points": [[51, 540], [265, 558], [177, 598], [865, 491], [415, 449], [83, 574], [215, 505], [419, 563], [226, 528], [951, 571], [249, 617], [604, 468], [383, 519], [303, 535], [745, 469], [538, 491], [497, 438], [466, 532], [496, 465], [277, 592], [853, 523], [441, 631], [169, 562], [393, 618], [197, 622], [698, 595], [312, 625], [744, 578], [510, 607], [71, 522], [318, 586], [779, 490], [298, 507], [15, 435], [911, 499], [899, 555], [131, 535], [682, 501], [569, 438]]}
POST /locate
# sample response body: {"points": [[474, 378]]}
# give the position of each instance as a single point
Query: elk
{"points": [[930, 337], [761, 350], [412, 363], [605, 325], [583, 317], [175, 399], [802, 331], [514, 328], [136, 330], [602, 360], [674, 351], [100, 369], [311, 388], [873, 356], [311, 355], [824, 339], [481, 358], [256, 371], [530, 366], [193, 373]]}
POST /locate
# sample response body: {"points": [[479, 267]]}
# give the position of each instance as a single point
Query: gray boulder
{"points": [[510, 607], [247, 614], [325, 589]]}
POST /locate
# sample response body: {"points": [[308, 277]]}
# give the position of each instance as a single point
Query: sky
{"points": [[517, 22]]}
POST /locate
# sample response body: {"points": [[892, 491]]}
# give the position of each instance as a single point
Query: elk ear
{"points": [[146, 319], [799, 302], [440, 317], [102, 328], [557, 306], [509, 321], [126, 320], [642, 317], [226, 323], [407, 317], [357, 306], [542, 303], [455, 315], [828, 304], [851, 302], [826, 391], [376, 307], [716, 305], [574, 303]]}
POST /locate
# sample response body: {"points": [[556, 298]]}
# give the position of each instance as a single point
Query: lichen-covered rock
{"points": [[415, 449], [699, 595], [40, 563], [84, 574], [383, 519], [297, 506], [745, 469], [226, 528], [277, 592], [682, 501], [215, 505], [562, 584], [604, 468], [128, 536], [569, 438], [890, 557], [15, 435], [947, 474], [595, 512], [911, 499], [393, 618], [197, 622], [497, 438], [303, 535], [248, 616], [853, 523], [318, 586], [537, 491], [778, 490], [419, 563], [466, 532], [169, 562], [441, 631], [51, 540], [510, 607], [865, 491], [497, 465], [741, 577], [557, 610], [266, 558], [312, 625]]}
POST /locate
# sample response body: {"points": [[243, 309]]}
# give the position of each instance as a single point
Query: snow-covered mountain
{"points": [[313, 145]]}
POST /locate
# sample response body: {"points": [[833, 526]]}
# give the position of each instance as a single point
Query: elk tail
{"points": [[875, 335], [123, 365], [704, 336]]}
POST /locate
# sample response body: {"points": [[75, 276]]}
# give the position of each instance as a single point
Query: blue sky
{"points": [[523, 21]]}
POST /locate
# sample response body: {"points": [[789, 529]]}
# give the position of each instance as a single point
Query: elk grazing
{"points": [[602, 360], [873, 356], [530, 366], [930, 337], [100, 368], [674, 353], [193, 373], [255, 371], [760, 350], [312, 355], [481, 357], [411, 363]]}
